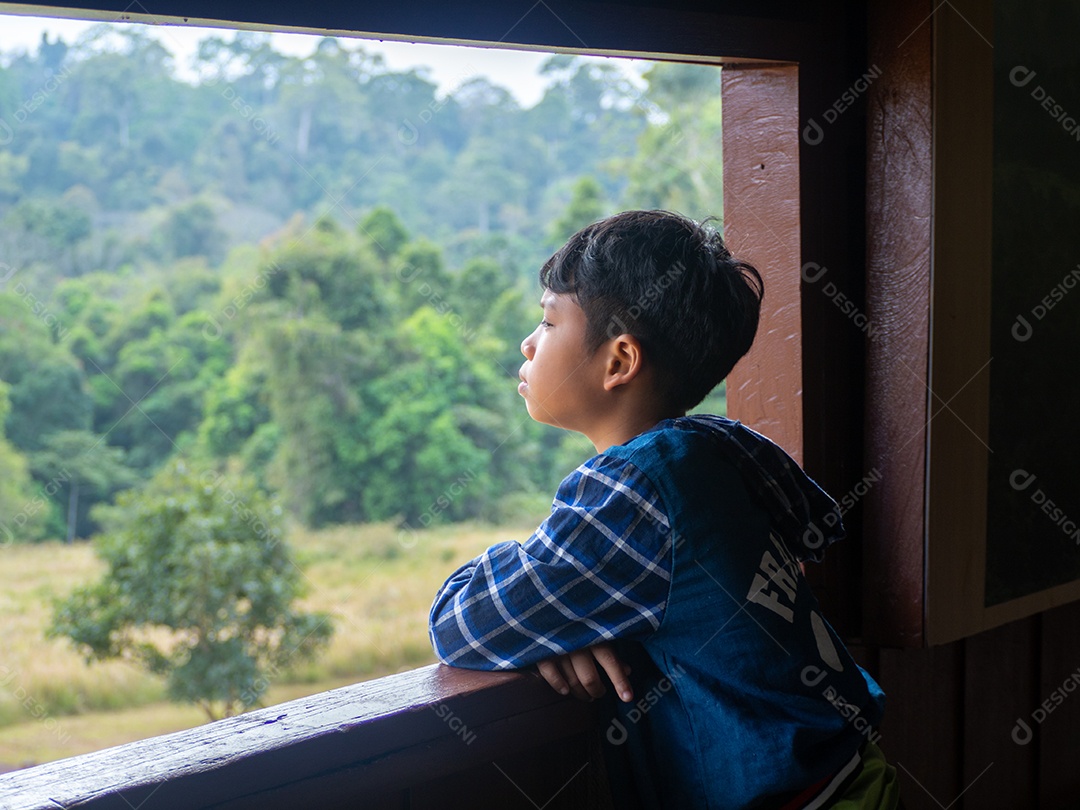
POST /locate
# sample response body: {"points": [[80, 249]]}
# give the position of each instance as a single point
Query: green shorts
{"points": [[874, 786]]}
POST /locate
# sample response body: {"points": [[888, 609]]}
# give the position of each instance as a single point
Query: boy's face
{"points": [[562, 383]]}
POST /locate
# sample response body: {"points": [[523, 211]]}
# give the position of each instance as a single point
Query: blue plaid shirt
{"points": [[597, 569], [682, 545]]}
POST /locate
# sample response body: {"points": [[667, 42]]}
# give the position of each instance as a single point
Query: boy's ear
{"points": [[624, 361]]}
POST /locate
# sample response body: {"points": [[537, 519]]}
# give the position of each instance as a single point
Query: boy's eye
{"points": [[545, 324]]}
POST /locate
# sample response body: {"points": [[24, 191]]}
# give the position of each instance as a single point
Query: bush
{"points": [[199, 588]]}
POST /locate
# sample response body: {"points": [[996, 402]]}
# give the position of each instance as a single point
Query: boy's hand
{"points": [[576, 673]]}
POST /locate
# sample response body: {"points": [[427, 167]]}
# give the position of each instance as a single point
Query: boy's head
{"points": [[670, 283]]}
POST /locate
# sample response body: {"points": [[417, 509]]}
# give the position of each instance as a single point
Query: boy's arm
{"points": [[597, 569]]}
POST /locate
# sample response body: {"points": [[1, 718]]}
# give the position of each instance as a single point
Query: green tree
{"points": [[235, 408], [19, 520], [316, 398], [478, 286], [191, 229], [385, 231], [328, 270], [675, 85], [199, 588], [586, 207], [678, 163], [12, 168], [443, 416], [150, 384], [80, 462], [420, 277], [47, 385], [584, 115]]}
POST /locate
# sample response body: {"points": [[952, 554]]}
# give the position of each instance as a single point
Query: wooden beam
{"points": [[761, 226], [708, 31], [349, 744], [899, 207]]}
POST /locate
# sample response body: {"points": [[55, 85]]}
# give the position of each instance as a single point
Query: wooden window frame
{"points": [[929, 284]]}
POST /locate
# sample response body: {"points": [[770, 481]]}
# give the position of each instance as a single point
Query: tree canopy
{"points": [[312, 270]]}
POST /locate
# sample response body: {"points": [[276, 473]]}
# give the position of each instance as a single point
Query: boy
{"points": [[671, 558]]}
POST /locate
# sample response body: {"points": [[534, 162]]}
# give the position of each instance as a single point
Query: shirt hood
{"points": [[804, 518]]}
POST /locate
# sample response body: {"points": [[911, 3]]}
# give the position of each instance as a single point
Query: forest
{"points": [[312, 271]]}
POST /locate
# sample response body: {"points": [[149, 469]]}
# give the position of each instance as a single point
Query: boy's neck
{"points": [[620, 430]]}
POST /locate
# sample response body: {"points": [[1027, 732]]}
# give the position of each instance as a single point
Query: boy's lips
{"points": [[523, 384]]}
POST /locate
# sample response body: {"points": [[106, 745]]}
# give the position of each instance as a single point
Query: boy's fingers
{"points": [[576, 673], [616, 670], [588, 676], [571, 674], [549, 670], [559, 672]]}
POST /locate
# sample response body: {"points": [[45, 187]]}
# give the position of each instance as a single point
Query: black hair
{"points": [[671, 283]]}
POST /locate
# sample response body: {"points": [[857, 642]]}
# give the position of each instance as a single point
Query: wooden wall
{"points": [[952, 709], [952, 714]]}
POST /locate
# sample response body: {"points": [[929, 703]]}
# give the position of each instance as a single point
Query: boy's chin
{"points": [[543, 416], [538, 414]]}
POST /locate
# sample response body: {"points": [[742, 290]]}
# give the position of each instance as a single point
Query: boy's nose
{"points": [[528, 347]]}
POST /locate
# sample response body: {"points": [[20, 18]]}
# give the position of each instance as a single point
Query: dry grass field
{"points": [[377, 584]]}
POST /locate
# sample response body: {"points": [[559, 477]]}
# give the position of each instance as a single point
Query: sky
{"points": [[450, 66]]}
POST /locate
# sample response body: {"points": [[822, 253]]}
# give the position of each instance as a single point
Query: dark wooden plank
{"points": [[921, 730], [1000, 679], [730, 28], [960, 347], [375, 777], [365, 739], [869, 658], [899, 205], [556, 776], [1057, 737], [832, 233]]}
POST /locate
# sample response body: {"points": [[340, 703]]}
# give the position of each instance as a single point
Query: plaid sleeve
{"points": [[598, 568]]}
